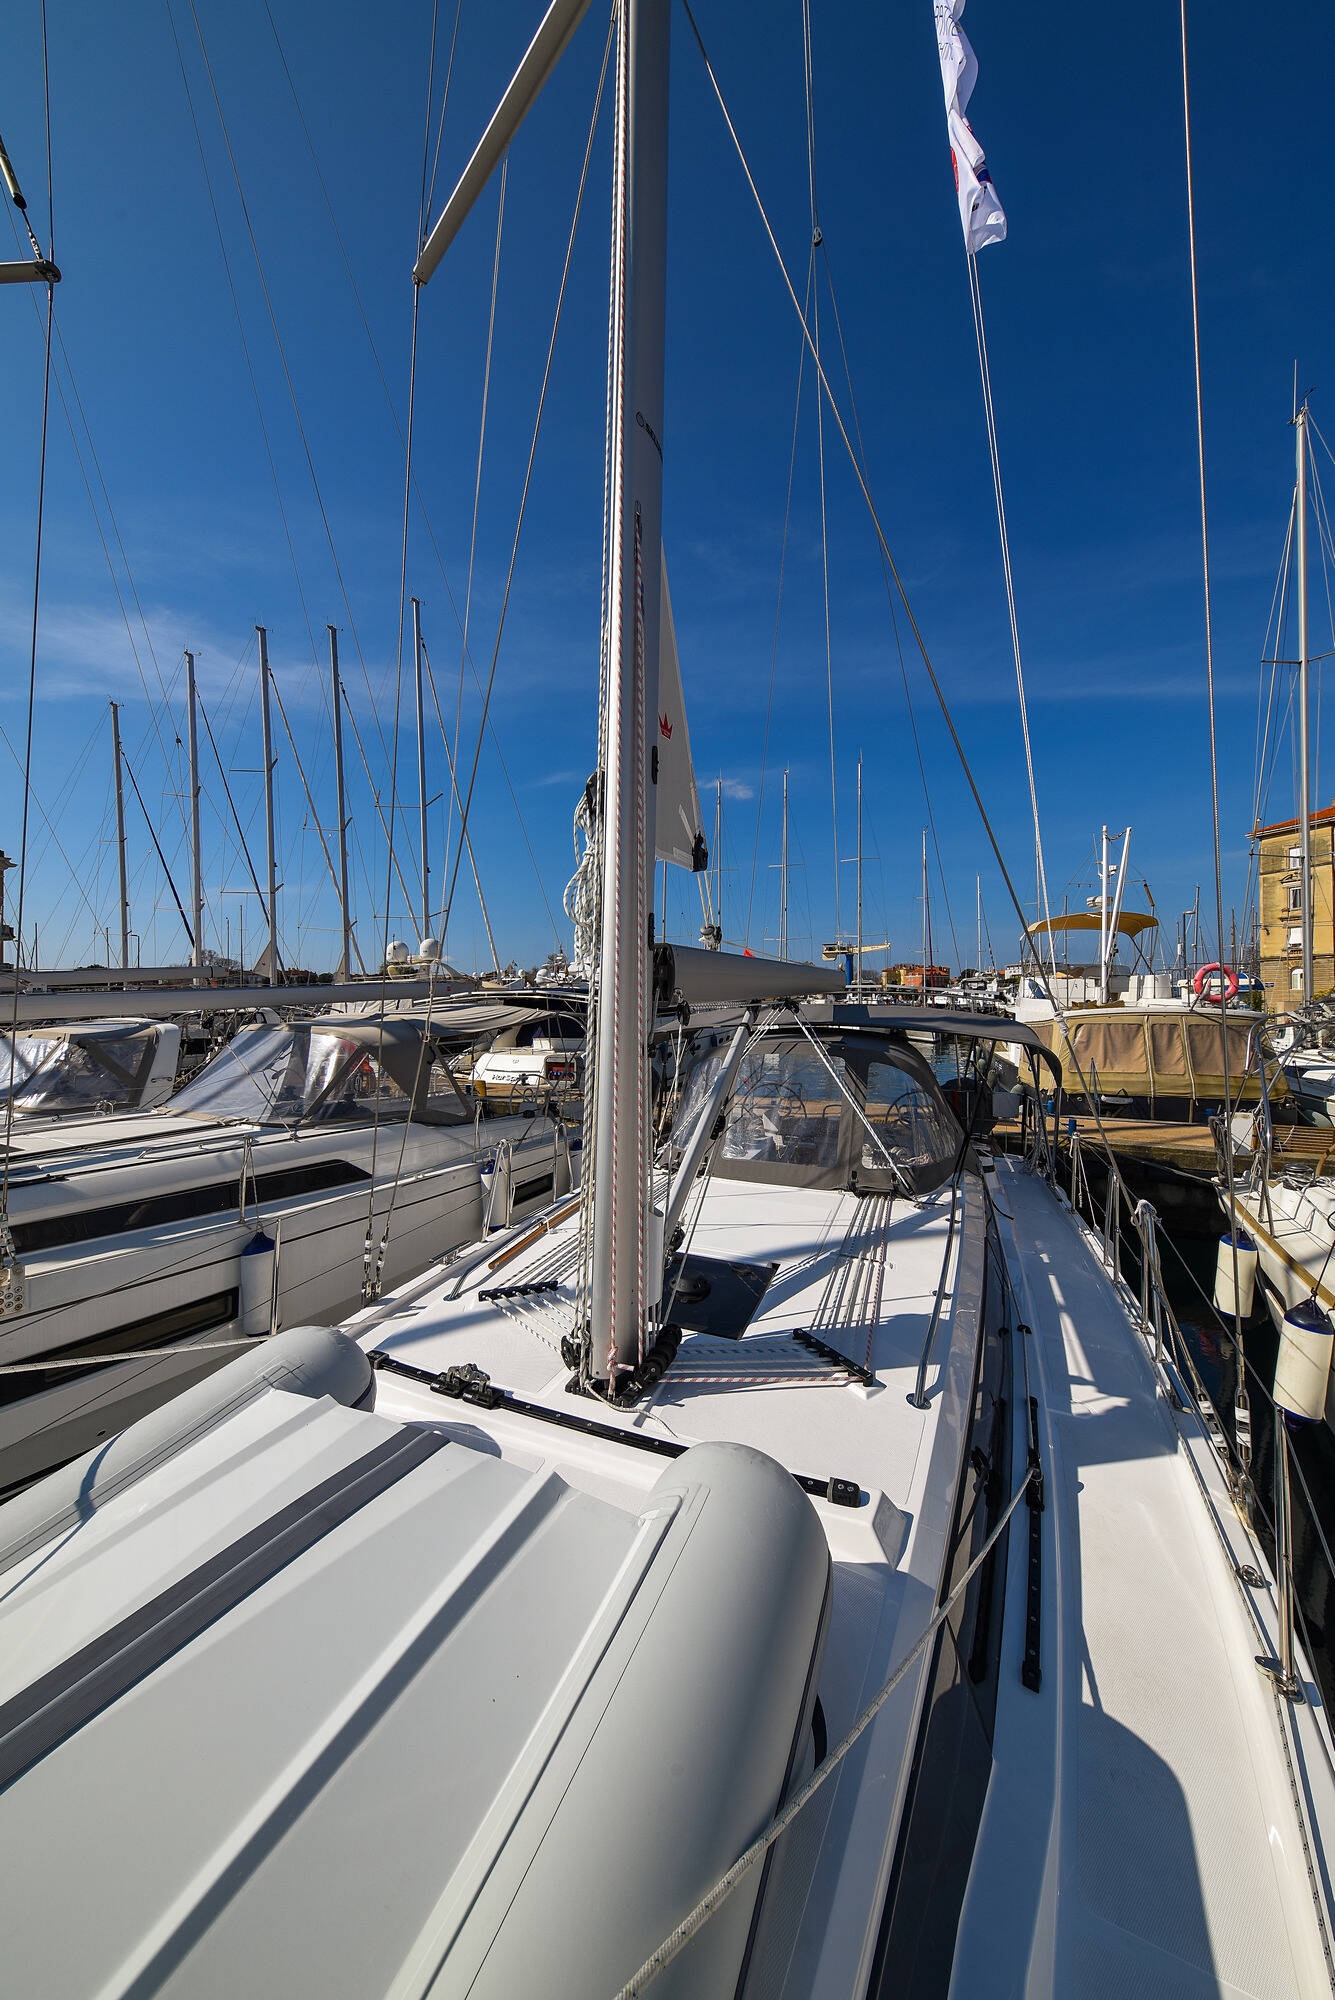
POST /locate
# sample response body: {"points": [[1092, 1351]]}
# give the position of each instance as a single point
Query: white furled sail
{"points": [[981, 214], [679, 829]]}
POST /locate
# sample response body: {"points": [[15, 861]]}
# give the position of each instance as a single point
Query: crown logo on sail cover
{"points": [[665, 727]]}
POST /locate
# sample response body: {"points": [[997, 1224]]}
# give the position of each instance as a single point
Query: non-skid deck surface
{"points": [[1176, 1847]]}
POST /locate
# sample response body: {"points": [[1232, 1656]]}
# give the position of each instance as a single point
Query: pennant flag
{"points": [[981, 214]]}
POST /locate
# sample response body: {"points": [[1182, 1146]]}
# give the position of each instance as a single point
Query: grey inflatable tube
{"points": [[306, 1361]]}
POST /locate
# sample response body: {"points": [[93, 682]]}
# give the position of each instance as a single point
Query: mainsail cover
{"points": [[679, 832]]}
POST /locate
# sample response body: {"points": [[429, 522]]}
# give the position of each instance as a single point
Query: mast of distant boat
{"points": [[783, 876], [1304, 764], [926, 919], [196, 868], [120, 839], [858, 960], [266, 730], [421, 769], [345, 960]]}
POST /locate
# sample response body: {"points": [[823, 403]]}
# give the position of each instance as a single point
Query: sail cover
{"points": [[679, 833]]}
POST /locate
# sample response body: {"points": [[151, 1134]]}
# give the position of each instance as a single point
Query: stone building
{"points": [[1280, 879]]}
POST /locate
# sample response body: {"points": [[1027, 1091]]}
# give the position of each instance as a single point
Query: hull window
{"points": [[87, 1225], [199, 1316]]}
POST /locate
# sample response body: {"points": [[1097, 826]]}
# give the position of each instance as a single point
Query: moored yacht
{"points": [[306, 1163]]}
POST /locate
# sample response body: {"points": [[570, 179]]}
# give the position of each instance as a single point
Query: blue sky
{"points": [[1089, 328]]}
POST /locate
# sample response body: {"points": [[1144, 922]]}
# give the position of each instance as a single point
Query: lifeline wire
{"points": [[723, 1888]]}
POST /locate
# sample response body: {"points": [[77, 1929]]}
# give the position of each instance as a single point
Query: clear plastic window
{"points": [[915, 1128], [67, 1073], [364, 1088], [277, 1076], [786, 1109]]}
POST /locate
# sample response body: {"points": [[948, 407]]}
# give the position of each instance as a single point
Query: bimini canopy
{"points": [[1130, 923], [1156, 1053]]}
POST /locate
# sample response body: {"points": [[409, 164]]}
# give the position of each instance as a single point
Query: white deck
{"points": [[1140, 1834]]}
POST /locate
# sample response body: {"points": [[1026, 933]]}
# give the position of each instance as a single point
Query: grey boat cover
{"points": [[298, 1700]]}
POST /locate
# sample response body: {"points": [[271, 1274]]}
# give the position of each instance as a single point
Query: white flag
{"points": [[983, 217]]}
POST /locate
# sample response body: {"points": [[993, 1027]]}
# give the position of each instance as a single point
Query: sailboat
{"points": [[1282, 1213], [790, 1567]]}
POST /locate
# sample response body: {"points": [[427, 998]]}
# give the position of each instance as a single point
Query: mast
{"points": [[926, 922], [120, 838], [1103, 920], [783, 876], [196, 867], [1304, 764], [859, 949], [621, 1284], [421, 768], [718, 858], [271, 895], [345, 960]]}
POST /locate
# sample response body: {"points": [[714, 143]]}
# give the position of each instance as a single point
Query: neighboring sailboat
{"points": [[244, 1203], [785, 1571]]}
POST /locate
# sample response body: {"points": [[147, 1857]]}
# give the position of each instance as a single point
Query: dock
{"points": [[1187, 1149]]}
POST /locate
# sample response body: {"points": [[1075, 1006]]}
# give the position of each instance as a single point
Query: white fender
{"points": [[498, 1187], [258, 1271], [1223, 1275], [1302, 1367]]}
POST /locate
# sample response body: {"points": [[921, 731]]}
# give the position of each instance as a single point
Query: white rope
{"points": [[723, 1888], [581, 897]]}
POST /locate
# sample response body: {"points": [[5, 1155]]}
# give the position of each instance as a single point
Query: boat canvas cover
{"points": [[1158, 1053], [678, 832], [365, 1695]]}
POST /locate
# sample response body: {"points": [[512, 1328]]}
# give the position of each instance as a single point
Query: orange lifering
{"points": [[1228, 976]]}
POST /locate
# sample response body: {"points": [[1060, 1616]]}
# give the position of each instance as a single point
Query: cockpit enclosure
{"points": [[339, 1070], [101, 1066], [861, 1110]]}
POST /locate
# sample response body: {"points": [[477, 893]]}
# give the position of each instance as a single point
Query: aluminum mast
{"points": [[345, 959], [120, 839], [421, 769], [859, 949], [1304, 755], [196, 867], [622, 1285], [271, 894]]}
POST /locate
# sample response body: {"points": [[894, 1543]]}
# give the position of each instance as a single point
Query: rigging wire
{"points": [[814, 295], [528, 471], [371, 1275], [778, 609], [865, 488], [115, 526], [6, 1240], [1242, 1398], [985, 374], [894, 615], [390, 403], [287, 376], [477, 502]]}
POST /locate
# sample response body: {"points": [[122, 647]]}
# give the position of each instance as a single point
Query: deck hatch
{"points": [[48, 1711]]}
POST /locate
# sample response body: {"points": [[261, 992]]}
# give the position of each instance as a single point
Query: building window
{"points": [[1295, 857], [1296, 979], [1295, 896]]}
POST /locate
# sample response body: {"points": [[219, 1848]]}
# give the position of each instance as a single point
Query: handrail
{"points": [[919, 1396]]}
